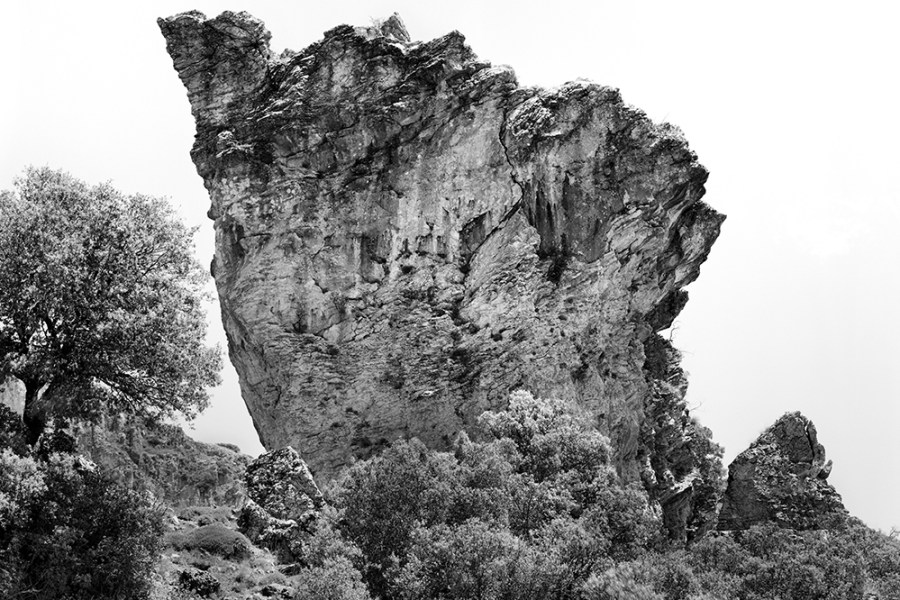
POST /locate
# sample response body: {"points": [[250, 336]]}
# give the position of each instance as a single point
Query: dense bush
{"points": [[214, 538], [13, 434], [334, 579], [850, 562], [537, 512], [528, 514], [69, 531]]}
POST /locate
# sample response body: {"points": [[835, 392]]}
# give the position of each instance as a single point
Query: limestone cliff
{"points": [[404, 235]]}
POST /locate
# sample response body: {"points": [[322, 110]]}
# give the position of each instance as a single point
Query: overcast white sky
{"points": [[794, 107]]}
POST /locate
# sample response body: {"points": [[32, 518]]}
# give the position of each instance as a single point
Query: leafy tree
{"points": [[100, 303], [470, 561], [383, 499]]}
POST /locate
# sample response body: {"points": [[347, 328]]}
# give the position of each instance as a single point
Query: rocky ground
{"points": [[207, 553], [221, 564]]}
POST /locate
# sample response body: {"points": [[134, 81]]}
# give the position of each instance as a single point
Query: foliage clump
{"points": [[68, 530], [214, 538], [528, 514]]}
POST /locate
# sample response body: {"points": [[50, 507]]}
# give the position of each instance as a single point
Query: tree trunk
{"points": [[34, 416]]}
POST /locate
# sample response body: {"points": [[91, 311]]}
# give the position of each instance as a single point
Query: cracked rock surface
{"points": [[404, 236], [283, 504], [780, 479]]}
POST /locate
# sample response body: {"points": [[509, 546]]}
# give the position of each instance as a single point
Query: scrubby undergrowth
{"points": [[533, 511], [69, 530]]}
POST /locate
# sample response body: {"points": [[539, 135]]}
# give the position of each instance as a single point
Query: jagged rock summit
{"points": [[404, 236], [781, 479]]}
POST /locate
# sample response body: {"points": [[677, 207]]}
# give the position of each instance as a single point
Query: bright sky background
{"points": [[794, 107]]}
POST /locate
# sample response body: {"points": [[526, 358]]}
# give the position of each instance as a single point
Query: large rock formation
{"points": [[780, 479], [404, 236]]}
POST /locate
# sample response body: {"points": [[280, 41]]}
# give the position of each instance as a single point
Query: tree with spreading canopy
{"points": [[101, 303]]}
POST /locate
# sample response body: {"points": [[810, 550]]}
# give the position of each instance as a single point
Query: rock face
{"points": [[283, 504], [404, 236], [12, 394], [280, 482], [780, 479]]}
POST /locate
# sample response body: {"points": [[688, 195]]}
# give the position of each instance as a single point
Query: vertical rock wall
{"points": [[404, 236]]}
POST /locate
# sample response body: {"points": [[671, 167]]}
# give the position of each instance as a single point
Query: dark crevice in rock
{"points": [[512, 167]]}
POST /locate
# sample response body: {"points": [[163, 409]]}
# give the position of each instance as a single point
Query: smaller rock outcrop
{"points": [[155, 457], [198, 582], [163, 459], [281, 483], [781, 479], [283, 504]]}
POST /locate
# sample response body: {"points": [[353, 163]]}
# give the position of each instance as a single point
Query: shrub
{"points": [[328, 544], [469, 561], [214, 538], [384, 498], [619, 583], [204, 515], [334, 579], [73, 532], [13, 434]]}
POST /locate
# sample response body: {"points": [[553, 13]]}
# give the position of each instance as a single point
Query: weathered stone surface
{"points": [[404, 236], [780, 478], [280, 482], [198, 582], [683, 465], [12, 394], [283, 505]]}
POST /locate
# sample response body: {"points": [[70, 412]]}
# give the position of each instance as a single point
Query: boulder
{"points": [[283, 504], [781, 479]]}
